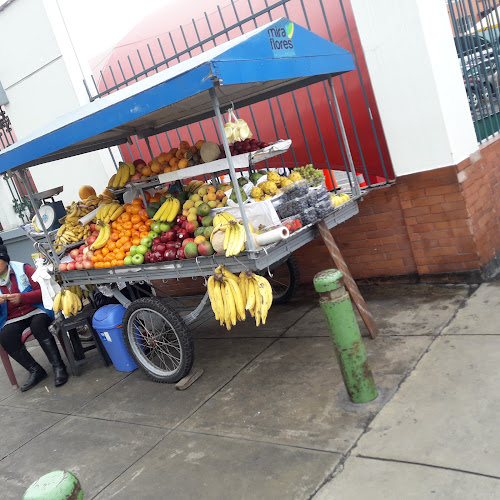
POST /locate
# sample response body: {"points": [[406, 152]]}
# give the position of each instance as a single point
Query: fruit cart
{"points": [[271, 60]]}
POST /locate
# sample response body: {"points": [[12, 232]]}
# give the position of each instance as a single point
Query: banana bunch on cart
{"points": [[68, 302], [72, 231]]}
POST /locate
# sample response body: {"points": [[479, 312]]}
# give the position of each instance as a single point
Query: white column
{"points": [[417, 81]]}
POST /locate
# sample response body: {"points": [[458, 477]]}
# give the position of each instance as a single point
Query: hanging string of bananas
{"points": [[231, 296], [68, 302], [235, 235]]}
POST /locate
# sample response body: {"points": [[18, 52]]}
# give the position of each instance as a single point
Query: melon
{"points": [[85, 191], [218, 241]]}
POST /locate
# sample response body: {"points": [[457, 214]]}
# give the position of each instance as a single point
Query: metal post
{"points": [[146, 140], [232, 172], [355, 185], [27, 185], [346, 337]]}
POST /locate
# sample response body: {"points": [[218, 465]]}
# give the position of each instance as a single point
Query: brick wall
{"points": [[430, 223]]}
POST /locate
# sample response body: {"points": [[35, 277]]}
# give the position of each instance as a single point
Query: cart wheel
{"points": [[285, 280], [158, 340]]}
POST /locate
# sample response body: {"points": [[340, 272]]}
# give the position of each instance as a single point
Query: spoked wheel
{"points": [[285, 280], [158, 340]]}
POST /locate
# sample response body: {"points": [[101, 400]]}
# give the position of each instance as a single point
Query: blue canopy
{"points": [[271, 60]]}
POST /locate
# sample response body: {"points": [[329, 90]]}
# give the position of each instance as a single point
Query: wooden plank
{"points": [[350, 284], [189, 379]]}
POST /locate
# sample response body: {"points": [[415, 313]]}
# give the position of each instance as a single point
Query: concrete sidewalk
{"points": [[270, 417]]}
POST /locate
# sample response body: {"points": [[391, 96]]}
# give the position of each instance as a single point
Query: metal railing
{"points": [[307, 116], [477, 40]]}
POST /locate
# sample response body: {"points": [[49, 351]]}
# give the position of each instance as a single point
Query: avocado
{"points": [[154, 205], [182, 196], [150, 211], [243, 195], [242, 181], [255, 177]]}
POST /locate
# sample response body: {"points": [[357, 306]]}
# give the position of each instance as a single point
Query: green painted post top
{"points": [[329, 280], [56, 485]]}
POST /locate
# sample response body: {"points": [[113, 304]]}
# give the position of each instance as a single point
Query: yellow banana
{"points": [[103, 237], [174, 210], [266, 294], [161, 210], [57, 303], [211, 295], [242, 284], [66, 304], [237, 299], [116, 180], [229, 306], [219, 301]]}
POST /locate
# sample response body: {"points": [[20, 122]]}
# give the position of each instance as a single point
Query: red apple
{"points": [[157, 256], [164, 238], [73, 254], [170, 254], [170, 244], [88, 254], [79, 258], [79, 266], [184, 224], [93, 227], [147, 257], [180, 253], [177, 244], [171, 235], [88, 264], [161, 247], [63, 267], [175, 228], [90, 239], [182, 234], [187, 240], [71, 266], [82, 248], [192, 226], [156, 241]]}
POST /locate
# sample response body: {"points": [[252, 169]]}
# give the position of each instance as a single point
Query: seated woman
{"points": [[21, 308]]}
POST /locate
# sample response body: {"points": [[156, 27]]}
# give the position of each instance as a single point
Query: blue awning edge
{"points": [[271, 60]]}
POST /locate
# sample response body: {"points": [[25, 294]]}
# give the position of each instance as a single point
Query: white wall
{"points": [[42, 79], [416, 77]]}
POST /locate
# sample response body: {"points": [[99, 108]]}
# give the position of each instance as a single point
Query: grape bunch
{"points": [[312, 175]]}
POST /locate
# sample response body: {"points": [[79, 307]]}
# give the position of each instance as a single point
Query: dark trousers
{"points": [[10, 335]]}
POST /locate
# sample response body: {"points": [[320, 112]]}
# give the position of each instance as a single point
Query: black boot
{"points": [[37, 373], [50, 349]]}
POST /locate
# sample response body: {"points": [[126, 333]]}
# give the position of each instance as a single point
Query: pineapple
{"points": [[273, 177], [295, 176]]}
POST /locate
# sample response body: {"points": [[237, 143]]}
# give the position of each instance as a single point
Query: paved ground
{"points": [[270, 417]]}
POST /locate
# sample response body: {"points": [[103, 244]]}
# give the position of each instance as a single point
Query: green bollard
{"points": [[56, 485], [349, 348]]}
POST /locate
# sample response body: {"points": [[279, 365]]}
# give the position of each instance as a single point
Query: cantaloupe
{"points": [[85, 191]]}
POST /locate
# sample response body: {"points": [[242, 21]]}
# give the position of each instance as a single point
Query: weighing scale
{"points": [[50, 211]]}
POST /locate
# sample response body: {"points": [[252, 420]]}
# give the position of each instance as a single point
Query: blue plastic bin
{"points": [[107, 322]]}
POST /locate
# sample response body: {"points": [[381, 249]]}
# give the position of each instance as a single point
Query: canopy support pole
{"points": [[24, 179], [232, 172], [356, 190], [146, 139]]}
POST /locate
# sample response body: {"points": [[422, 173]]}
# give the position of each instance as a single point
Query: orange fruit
{"points": [[120, 262], [105, 251], [113, 263], [111, 245], [148, 223], [114, 236], [127, 205], [154, 199], [120, 254], [106, 264], [183, 163], [147, 196], [127, 225], [98, 265], [135, 219], [93, 258], [143, 227], [173, 162], [147, 172], [128, 233], [136, 241], [126, 216], [144, 234], [137, 201], [126, 246], [184, 145], [156, 167]]}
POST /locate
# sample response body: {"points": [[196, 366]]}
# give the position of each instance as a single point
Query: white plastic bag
{"points": [[261, 213], [48, 285]]}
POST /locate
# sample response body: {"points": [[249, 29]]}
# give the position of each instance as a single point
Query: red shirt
{"points": [[27, 298]]}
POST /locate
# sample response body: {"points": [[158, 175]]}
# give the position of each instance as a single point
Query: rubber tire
{"points": [[181, 330], [293, 270]]}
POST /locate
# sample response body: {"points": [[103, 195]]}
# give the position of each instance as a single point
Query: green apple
{"points": [[155, 227], [164, 227], [141, 250], [147, 242], [138, 259], [133, 250], [153, 235], [128, 260]]}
